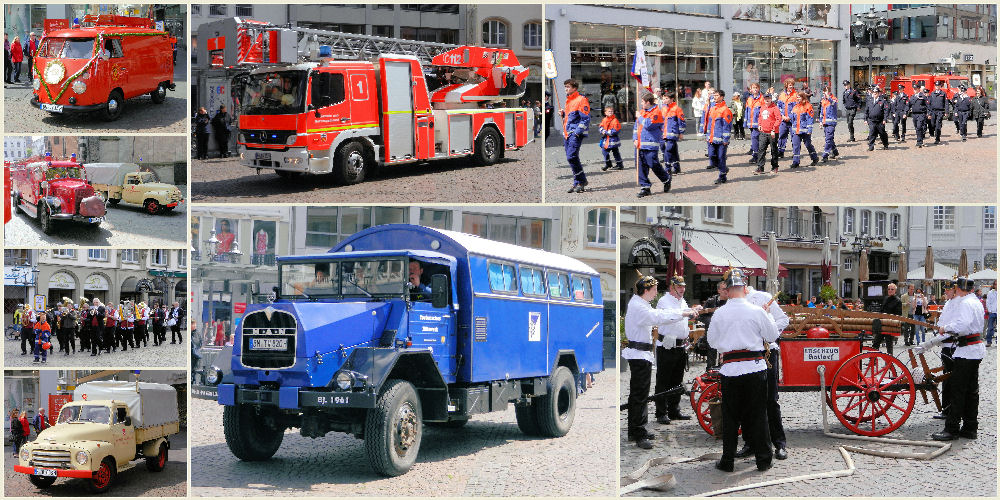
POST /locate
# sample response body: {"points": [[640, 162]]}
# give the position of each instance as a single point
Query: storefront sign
{"points": [[62, 281], [239, 308], [95, 282], [39, 303], [652, 43], [644, 250], [967, 58], [18, 276], [873, 59], [788, 50]]}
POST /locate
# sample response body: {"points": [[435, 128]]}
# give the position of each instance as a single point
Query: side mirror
{"points": [[439, 290], [317, 114], [275, 289]]}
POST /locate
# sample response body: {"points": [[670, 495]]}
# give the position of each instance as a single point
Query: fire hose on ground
{"points": [[632, 481]]}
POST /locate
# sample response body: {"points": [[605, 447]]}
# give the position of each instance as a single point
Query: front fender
{"points": [[151, 448], [53, 203]]}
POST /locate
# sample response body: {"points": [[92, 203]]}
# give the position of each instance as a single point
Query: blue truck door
{"points": [[433, 328]]}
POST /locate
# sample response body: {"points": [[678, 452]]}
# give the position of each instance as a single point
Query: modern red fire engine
{"points": [[313, 101], [951, 84]]}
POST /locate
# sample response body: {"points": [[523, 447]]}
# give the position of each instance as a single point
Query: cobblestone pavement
{"points": [[124, 226], [487, 457], [952, 171], [140, 113], [968, 469], [135, 482], [149, 356], [515, 179]]}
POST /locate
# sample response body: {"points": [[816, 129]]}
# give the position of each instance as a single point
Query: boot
{"points": [[607, 165]]}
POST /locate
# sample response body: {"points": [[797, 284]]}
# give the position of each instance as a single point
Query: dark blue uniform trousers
{"points": [[797, 141], [783, 129], [717, 158], [829, 146], [648, 160], [573, 157], [671, 156], [920, 126]]}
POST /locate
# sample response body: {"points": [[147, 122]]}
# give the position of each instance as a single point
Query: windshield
{"points": [[142, 178], [67, 48], [274, 93], [85, 413], [957, 82], [53, 173], [343, 278]]}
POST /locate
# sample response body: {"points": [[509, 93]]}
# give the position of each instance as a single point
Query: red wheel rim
{"points": [[152, 207], [872, 394], [710, 394], [163, 456], [102, 476]]}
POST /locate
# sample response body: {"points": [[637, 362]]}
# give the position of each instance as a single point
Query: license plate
{"points": [[55, 108], [263, 156], [46, 472], [269, 344]]}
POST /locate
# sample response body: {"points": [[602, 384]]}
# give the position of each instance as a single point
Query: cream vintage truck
{"points": [[107, 428], [119, 182]]}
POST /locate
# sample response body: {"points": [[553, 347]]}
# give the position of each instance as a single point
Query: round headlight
{"points": [[36, 83], [25, 455], [79, 87], [291, 139], [81, 457], [214, 376], [343, 381]]}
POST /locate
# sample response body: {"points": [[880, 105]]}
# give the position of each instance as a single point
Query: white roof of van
{"points": [[489, 248]]}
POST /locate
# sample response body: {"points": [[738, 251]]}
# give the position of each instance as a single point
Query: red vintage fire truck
{"points": [[99, 65], [348, 115], [54, 190], [951, 84]]}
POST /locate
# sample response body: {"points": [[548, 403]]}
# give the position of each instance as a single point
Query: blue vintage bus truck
{"points": [[401, 326]]}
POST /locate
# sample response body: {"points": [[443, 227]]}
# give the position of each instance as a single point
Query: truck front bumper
{"points": [[69, 108], [290, 398], [85, 474], [295, 159], [77, 218]]}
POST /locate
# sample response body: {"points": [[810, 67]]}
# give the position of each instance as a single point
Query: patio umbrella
{"points": [[677, 247], [863, 266], [929, 266], [901, 269], [772, 264], [827, 265], [963, 264], [984, 275]]}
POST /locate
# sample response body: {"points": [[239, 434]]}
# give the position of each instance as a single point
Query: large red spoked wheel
{"points": [[699, 402], [872, 394]]}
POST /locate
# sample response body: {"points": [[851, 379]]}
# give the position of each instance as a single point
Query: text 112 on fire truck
{"points": [[379, 102]]}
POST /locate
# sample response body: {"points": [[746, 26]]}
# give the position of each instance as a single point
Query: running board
{"points": [[31, 209]]}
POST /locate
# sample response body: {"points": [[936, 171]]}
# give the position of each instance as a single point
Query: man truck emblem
{"points": [[821, 354], [534, 326]]}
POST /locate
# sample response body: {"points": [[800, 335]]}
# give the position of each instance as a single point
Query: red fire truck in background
{"points": [[951, 84], [390, 102]]}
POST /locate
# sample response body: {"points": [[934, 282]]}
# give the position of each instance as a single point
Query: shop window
{"points": [[495, 33]]}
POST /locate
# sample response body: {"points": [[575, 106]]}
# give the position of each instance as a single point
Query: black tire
{"points": [[115, 106], [456, 423], [285, 174], [557, 409], [114, 201], [157, 462], [41, 482], [393, 429], [527, 419], [489, 147], [103, 477], [152, 207], [352, 163], [16, 201], [45, 218], [159, 95], [247, 436]]}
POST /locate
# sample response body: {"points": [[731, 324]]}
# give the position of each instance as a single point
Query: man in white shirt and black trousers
{"points": [[671, 358], [740, 331], [776, 431], [947, 346], [640, 318], [963, 324]]}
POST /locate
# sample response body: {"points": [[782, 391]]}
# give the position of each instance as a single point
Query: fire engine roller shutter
{"points": [[399, 109], [509, 133]]}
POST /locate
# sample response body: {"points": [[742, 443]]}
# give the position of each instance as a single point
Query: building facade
{"points": [[951, 229], [885, 229], [800, 233], [730, 45], [518, 29], [957, 39], [20, 20]]}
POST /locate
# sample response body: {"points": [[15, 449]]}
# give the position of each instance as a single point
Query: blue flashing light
{"points": [[325, 51]]}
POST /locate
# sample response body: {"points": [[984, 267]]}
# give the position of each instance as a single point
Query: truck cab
{"points": [[402, 325], [952, 84], [56, 190]]}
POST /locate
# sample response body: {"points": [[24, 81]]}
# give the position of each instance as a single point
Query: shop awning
{"points": [[714, 253]]}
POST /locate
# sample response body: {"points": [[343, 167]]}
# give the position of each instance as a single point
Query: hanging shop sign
{"points": [[788, 50], [96, 282], [652, 43], [62, 281]]}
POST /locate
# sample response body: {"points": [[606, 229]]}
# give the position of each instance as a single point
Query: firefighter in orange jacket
{"points": [[610, 127], [801, 120], [786, 101], [719, 124], [751, 118], [674, 126], [828, 117], [576, 123], [647, 136]]}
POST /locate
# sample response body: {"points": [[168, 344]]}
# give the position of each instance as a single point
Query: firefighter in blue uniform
{"points": [[828, 117], [939, 105], [900, 108], [962, 106], [801, 125], [576, 119], [851, 103], [876, 112], [647, 136], [719, 124], [919, 105]]}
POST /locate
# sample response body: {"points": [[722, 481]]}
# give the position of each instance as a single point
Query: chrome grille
{"points": [[57, 459], [271, 324]]}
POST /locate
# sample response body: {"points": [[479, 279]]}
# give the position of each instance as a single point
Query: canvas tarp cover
{"points": [[154, 404]]}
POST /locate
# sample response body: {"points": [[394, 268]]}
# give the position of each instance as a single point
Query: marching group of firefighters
{"points": [[743, 325], [774, 120], [99, 327]]}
